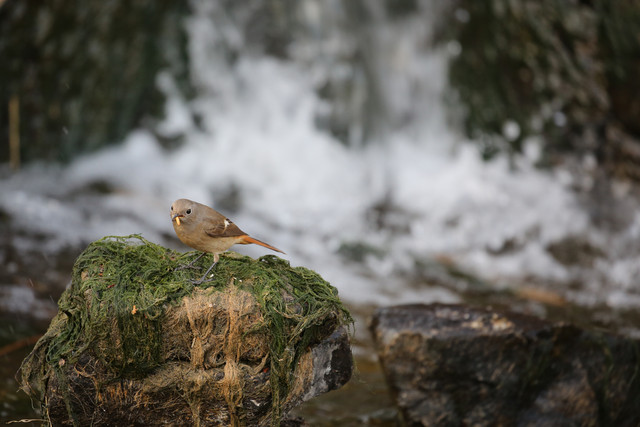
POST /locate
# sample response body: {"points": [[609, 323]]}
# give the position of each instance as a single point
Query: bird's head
{"points": [[183, 210]]}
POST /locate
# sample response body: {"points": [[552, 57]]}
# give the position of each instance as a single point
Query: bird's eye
{"points": [[188, 211], [171, 207]]}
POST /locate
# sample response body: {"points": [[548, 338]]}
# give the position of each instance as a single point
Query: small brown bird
{"points": [[207, 230]]}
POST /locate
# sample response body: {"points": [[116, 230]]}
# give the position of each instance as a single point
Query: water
{"points": [[391, 213]]}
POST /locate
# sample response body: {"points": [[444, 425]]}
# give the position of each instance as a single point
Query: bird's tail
{"points": [[246, 240]]}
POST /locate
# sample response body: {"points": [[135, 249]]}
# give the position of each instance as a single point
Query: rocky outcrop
{"points": [[457, 365]]}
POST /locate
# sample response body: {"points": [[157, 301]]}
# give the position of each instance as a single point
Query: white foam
{"points": [[307, 193]]}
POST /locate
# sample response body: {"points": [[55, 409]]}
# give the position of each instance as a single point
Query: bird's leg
{"points": [[204, 276], [216, 257], [190, 265]]}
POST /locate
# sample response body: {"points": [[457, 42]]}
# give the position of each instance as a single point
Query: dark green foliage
{"points": [[554, 68], [85, 73]]}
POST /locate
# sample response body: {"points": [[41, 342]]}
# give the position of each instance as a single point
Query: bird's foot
{"points": [[203, 279]]}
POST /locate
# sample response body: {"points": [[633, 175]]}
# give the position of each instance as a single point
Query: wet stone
{"points": [[459, 365]]}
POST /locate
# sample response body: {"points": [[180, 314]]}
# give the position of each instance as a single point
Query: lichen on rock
{"points": [[136, 338]]}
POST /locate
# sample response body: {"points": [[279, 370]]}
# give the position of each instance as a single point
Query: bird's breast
{"points": [[198, 239]]}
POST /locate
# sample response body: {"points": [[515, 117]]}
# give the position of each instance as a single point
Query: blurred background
{"points": [[407, 150]]}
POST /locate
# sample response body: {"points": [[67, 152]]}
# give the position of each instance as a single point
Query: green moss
{"points": [[122, 287]]}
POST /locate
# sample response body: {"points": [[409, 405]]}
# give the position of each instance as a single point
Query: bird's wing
{"points": [[224, 228]]}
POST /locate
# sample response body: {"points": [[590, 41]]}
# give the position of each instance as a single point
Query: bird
{"points": [[207, 230]]}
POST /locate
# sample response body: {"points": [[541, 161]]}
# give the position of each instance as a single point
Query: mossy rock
{"points": [[85, 75], [563, 70], [135, 340]]}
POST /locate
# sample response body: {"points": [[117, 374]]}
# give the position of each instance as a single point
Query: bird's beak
{"points": [[177, 217]]}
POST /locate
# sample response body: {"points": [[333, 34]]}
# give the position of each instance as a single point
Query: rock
{"points": [[135, 343], [458, 365], [575, 251]]}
